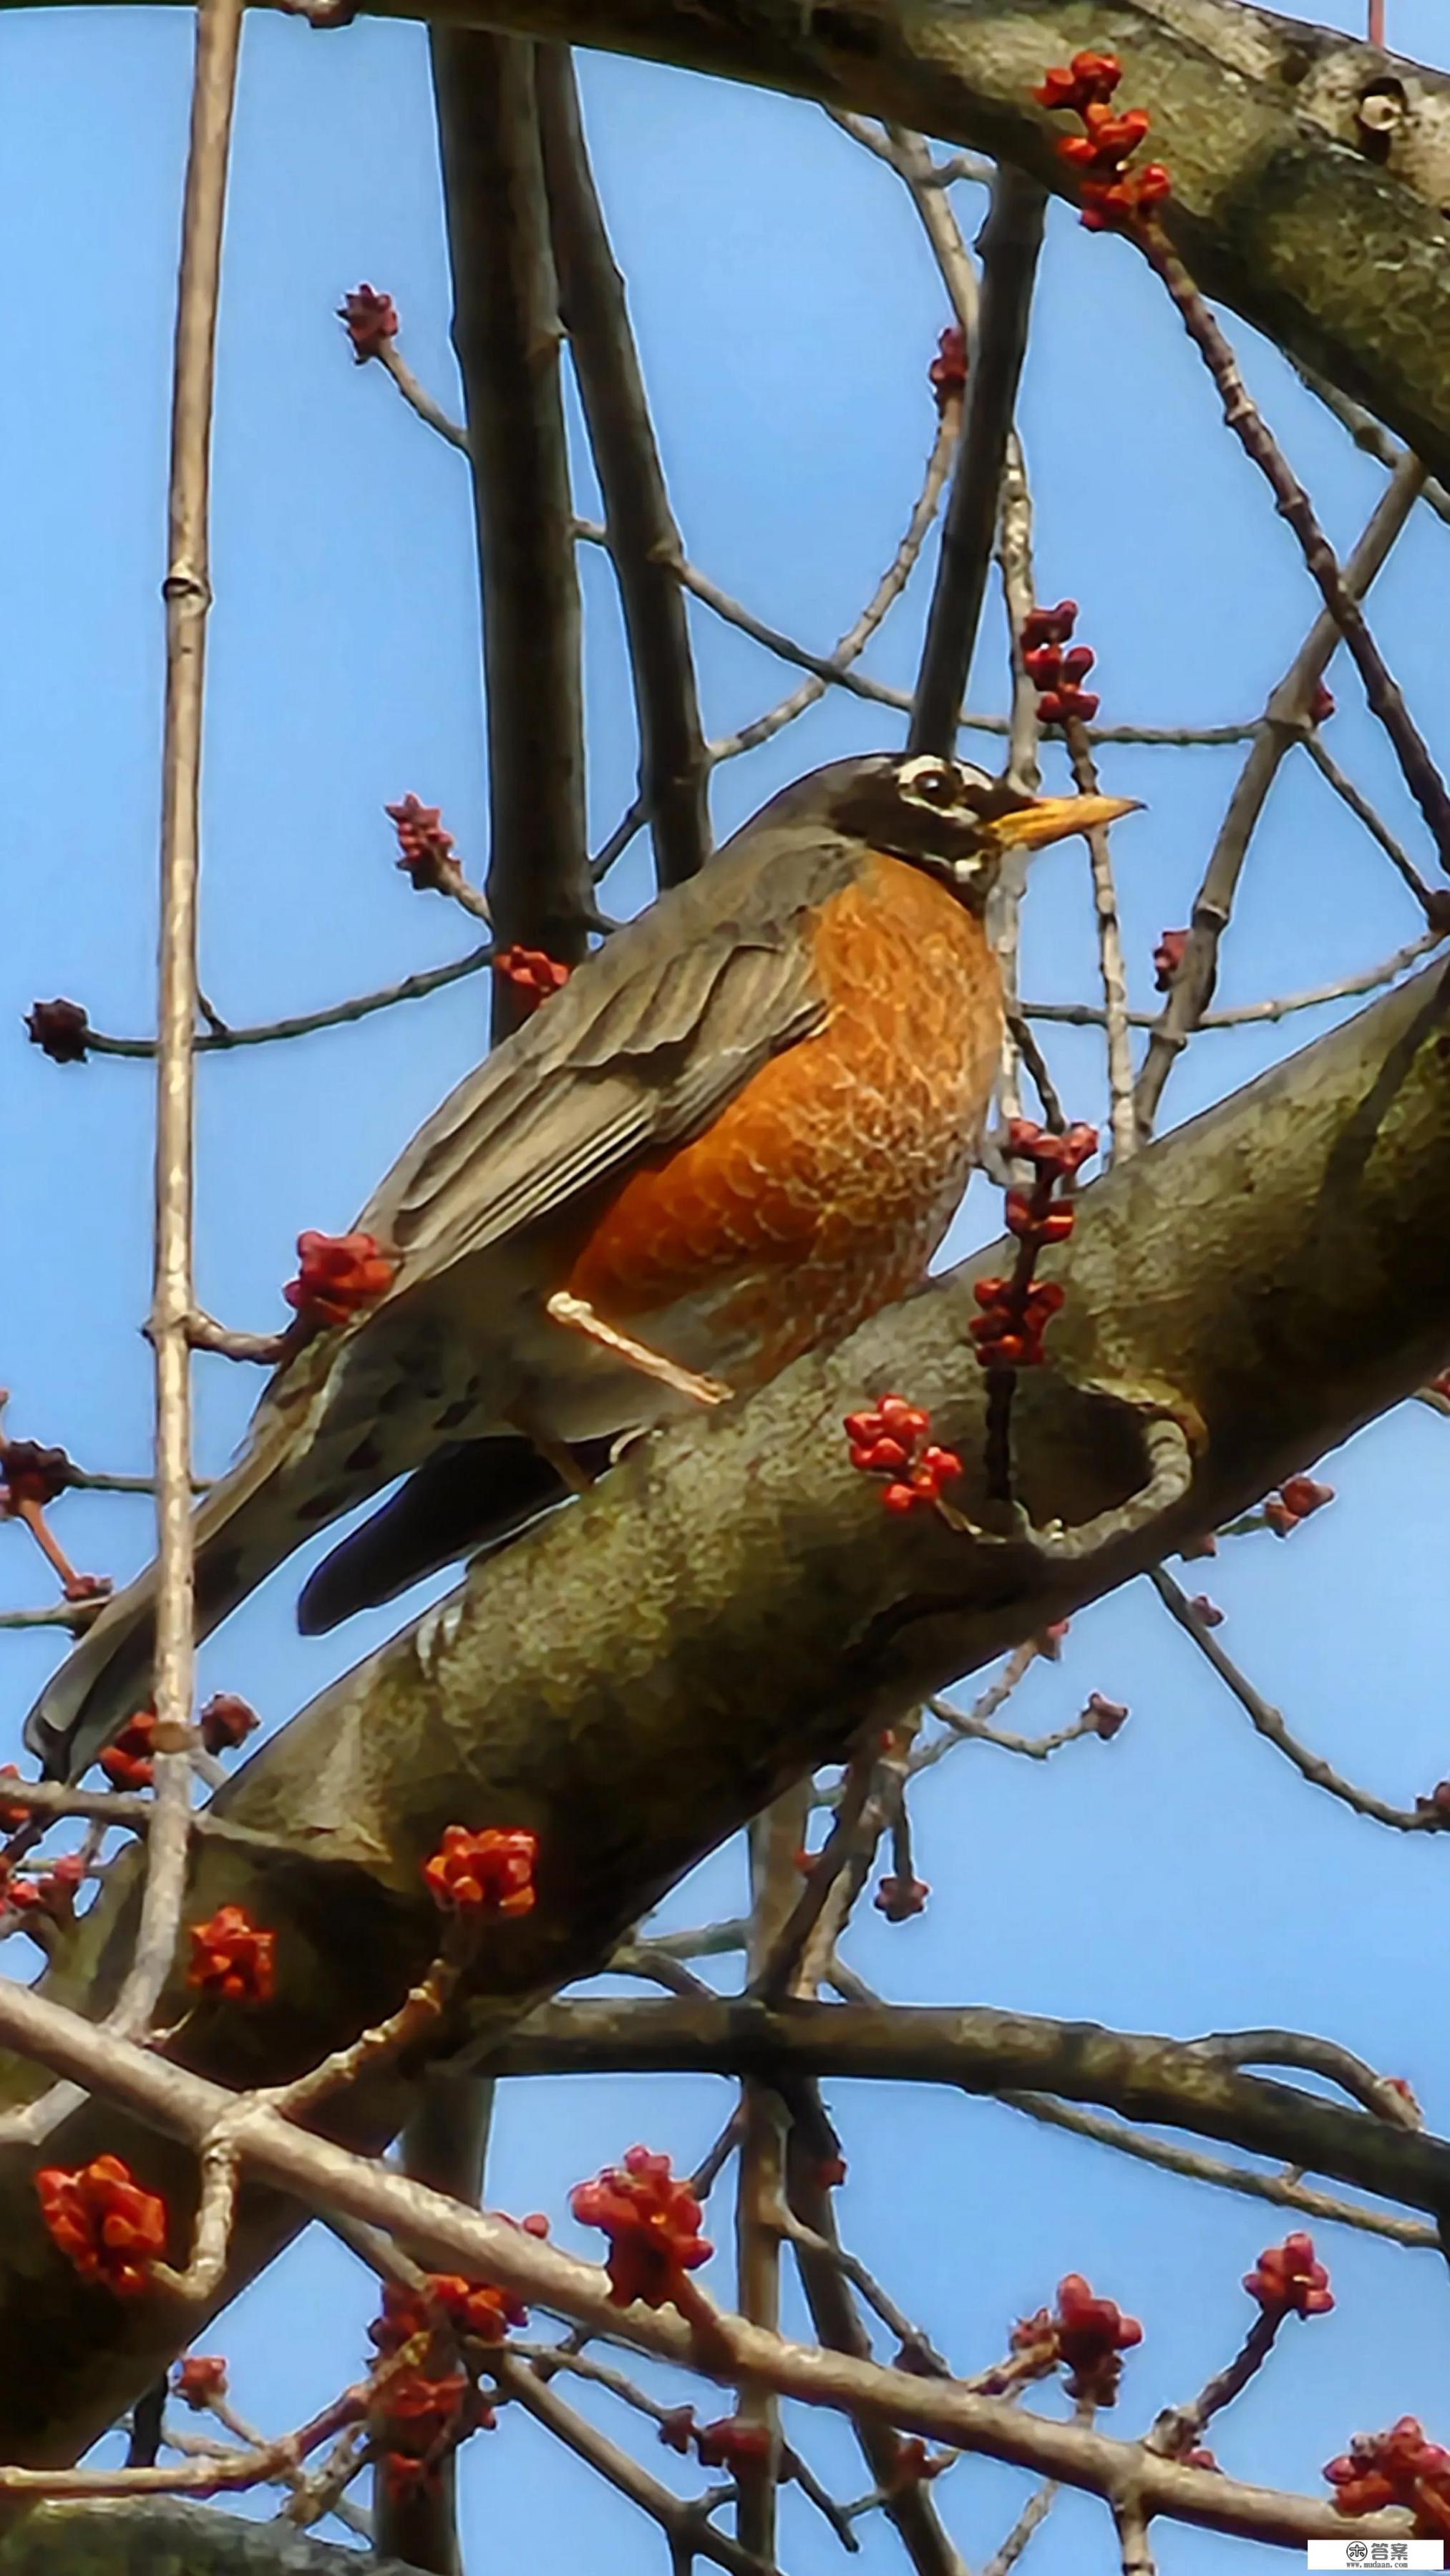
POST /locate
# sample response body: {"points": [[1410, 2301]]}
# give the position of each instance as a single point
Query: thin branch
{"points": [[1110, 956], [1011, 242], [1280, 2189], [304, 1024], [1368, 433], [1293, 504], [1135, 2554], [1315, 2056], [1270, 1722], [889, 588], [1178, 2428], [418, 398], [1378, 830], [1030, 2520], [1283, 722], [1083, 1015], [775, 1839], [684, 2524], [507, 334], [674, 766]]}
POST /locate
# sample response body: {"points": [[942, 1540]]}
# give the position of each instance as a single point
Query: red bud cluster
{"points": [[1112, 193], [1287, 2281], [426, 853], [533, 974], [226, 1722], [12, 1818], [1088, 2335], [491, 1872], [340, 1276], [201, 2379], [52, 1895], [1397, 2467], [1167, 958], [730, 2443], [652, 2222], [1321, 705], [32, 1474], [473, 2309], [232, 1956], [895, 1441], [1107, 1717], [1296, 1498], [60, 1029], [418, 2420], [899, 1898], [1057, 675], [947, 374], [101, 2218], [130, 1763], [370, 319], [1008, 1332]]}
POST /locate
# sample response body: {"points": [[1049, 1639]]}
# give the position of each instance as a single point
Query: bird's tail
{"points": [[245, 1527]]}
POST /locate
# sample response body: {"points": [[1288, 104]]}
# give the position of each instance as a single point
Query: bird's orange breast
{"points": [[823, 1188]]}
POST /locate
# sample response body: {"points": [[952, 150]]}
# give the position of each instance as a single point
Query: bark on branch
{"points": [[731, 1605]]}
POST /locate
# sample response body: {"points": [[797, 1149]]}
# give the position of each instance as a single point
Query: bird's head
{"points": [[953, 820]]}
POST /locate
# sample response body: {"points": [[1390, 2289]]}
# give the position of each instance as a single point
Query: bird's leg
{"points": [[579, 1317], [570, 1470]]}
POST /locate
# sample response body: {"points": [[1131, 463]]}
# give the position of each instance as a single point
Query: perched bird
{"points": [[738, 1130]]}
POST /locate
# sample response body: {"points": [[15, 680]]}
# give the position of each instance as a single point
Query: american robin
{"points": [[738, 1130]]}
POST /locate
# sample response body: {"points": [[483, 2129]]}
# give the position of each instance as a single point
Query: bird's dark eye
{"points": [[936, 785]]}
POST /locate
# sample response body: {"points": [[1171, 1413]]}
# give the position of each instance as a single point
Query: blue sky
{"points": [[1181, 1879]]}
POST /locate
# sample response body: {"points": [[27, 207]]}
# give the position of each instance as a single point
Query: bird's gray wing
{"points": [[641, 1048]]}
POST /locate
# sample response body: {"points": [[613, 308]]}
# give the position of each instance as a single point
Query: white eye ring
{"points": [[929, 782]]}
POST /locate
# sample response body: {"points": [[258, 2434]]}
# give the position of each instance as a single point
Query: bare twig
{"points": [[1378, 830], [1011, 241], [1293, 504], [889, 588], [1280, 2189], [418, 398], [778, 1961], [1270, 1722], [304, 1024], [1367, 432], [507, 333], [1283, 722], [1030, 2520], [674, 767], [775, 1838], [1083, 1015], [1110, 956]]}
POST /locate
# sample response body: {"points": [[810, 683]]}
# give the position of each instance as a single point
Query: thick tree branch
{"points": [[737, 1607], [507, 334], [1011, 243], [674, 774], [1284, 206]]}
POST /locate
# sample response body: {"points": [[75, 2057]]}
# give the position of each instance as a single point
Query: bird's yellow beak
{"points": [[1052, 818]]}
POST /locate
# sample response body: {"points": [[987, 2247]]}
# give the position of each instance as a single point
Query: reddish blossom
{"points": [[130, 1762], [899, 1898], [1112, 192], [731, 2443], [1167, 958], [947, 374], [1321, 705], [829, 2172], [370, 320], [533, 974], [12, 1818], [1009, 1331], [1108, 1716], [1397, 2467], [1087, 2334], [226, 1722], [341, 1275], [1057, 674], [232, 1956], [1287, 2281], [1199, 2458], [1295, 1500], [467, 2308], [52, 1895], [1208, 1611], [426, 851], [418, 2419], [488, 1872], [677, 2429], [1437, 1804], [32, 1474], [652, 2222], [60, 1029], [894, 1441], [1049, 1644], [1400, 2084], [201, 2379], [99, 2216]]}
